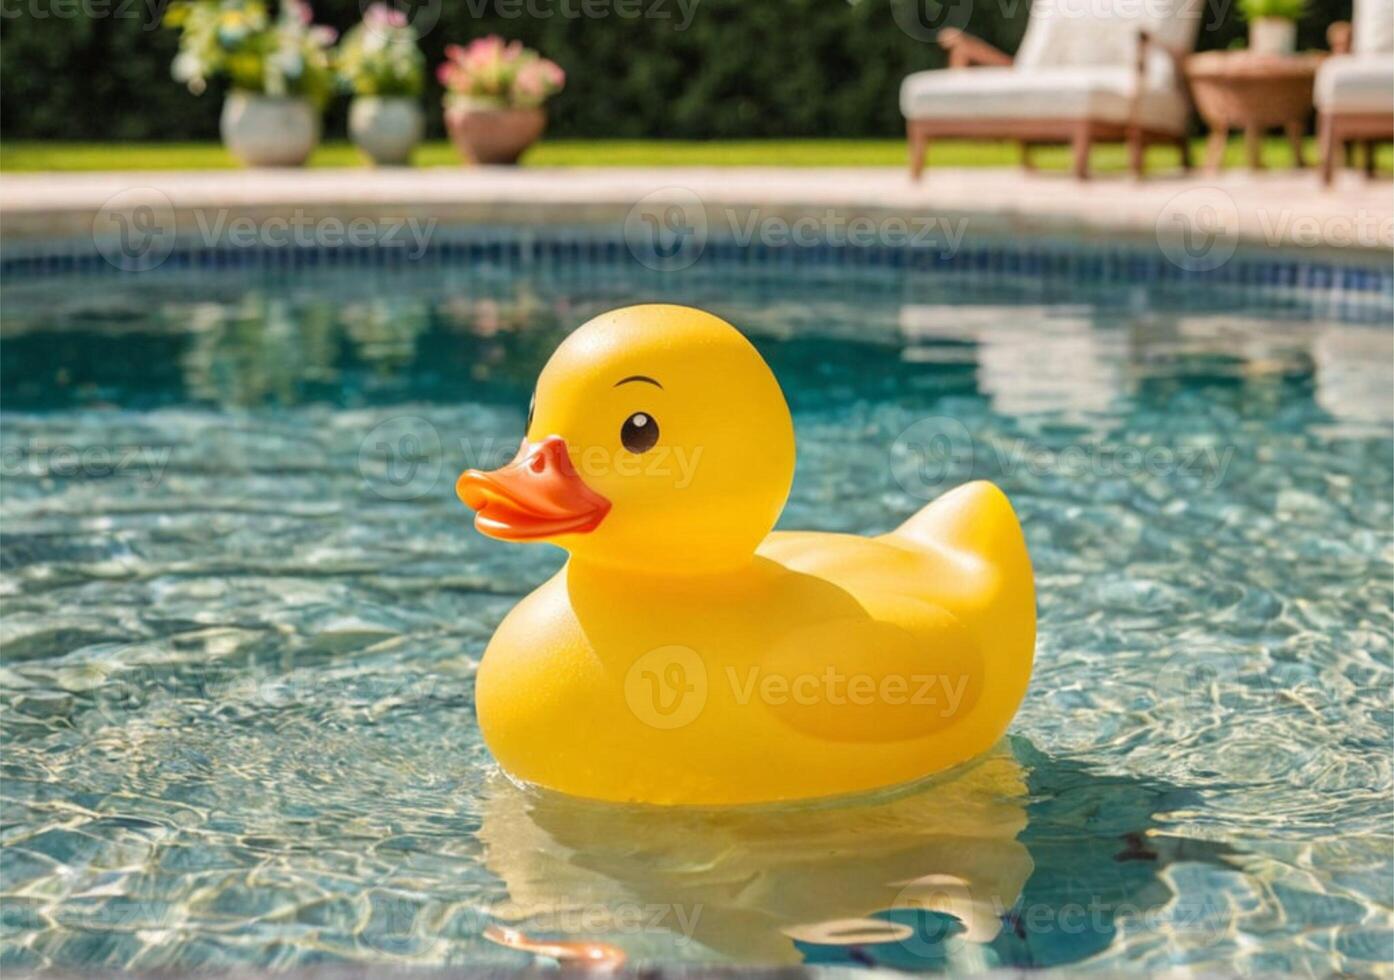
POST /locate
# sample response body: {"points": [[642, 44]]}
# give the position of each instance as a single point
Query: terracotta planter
{"points": [[386, 130], [1272, 35], [269, 130], [493, 135]]}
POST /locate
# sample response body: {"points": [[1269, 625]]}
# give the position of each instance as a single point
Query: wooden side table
{"points": [[1252, 92]]}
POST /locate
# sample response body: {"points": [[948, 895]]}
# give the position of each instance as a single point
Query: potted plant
{"points": [[277, 67], [1273, 24], [493, 98], [379, 62]]}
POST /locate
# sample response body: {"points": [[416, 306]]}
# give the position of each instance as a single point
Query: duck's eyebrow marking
{"points": [[638, 377]]}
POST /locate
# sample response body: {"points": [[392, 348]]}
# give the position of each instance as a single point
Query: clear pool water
{"points": [[243, 610]]}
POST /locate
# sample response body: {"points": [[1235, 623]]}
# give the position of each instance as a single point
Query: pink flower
{"points": [[536, 80], [483, 51], [555, 76], [530, 85], [505, 71], [303, 13], [381, 15]]}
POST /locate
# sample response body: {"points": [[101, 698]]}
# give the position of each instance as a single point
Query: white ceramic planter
{"points": [[1272, 35], [386, 129], [269, 130]]}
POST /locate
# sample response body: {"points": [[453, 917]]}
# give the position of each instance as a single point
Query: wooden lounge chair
{"points": [[1085, 73], [1354, 89]]}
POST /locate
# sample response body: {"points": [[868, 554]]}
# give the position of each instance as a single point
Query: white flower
{"points": [[186, 67]]}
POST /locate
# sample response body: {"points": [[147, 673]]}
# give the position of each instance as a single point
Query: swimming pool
{"points": [[243, 610]]}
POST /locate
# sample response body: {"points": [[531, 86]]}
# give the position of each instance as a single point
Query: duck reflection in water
{"points": [[1016, 860]]}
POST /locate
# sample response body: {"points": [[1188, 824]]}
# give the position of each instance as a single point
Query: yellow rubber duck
{"points": [[688, 654]]}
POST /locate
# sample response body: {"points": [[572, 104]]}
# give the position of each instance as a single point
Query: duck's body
{"points": [[815, 665]]}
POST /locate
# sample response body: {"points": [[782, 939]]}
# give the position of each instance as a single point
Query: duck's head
{"points": [[658, 441]]}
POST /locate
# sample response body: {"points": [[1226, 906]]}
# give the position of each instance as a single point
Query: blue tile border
{"points": [[1073, 261]]}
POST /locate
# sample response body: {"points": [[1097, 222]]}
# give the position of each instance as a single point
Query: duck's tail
{"points": [[975, 520], [971, 535], [973, 544]]}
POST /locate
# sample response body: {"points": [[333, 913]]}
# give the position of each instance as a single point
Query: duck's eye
{"points": [[639, 432], [532, 407]]}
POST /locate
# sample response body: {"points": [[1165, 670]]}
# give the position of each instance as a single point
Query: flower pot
{"points": [[487, 135], [269, 130], [385, 128], [1272, 35]]}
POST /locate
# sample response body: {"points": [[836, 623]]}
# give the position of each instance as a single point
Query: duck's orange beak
{"points": [[538, 495]]}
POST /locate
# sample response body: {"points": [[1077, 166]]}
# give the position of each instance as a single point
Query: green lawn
{"points": [[20, 155]]}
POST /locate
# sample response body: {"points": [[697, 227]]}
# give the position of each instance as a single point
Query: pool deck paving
{"points": [[1284, 210]]}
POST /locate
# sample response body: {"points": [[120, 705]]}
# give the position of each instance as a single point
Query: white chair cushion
{"points": [[1095, 93], [1372, 27], [1074, 33], [1355, 83], [1175, 23]]}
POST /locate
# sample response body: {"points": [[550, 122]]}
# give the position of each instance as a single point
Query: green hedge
{"points": [[99, 69]]}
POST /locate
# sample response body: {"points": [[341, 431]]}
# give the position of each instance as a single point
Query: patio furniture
{"points": [[1085, 73], [1355, 86], [1252, 92]]}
